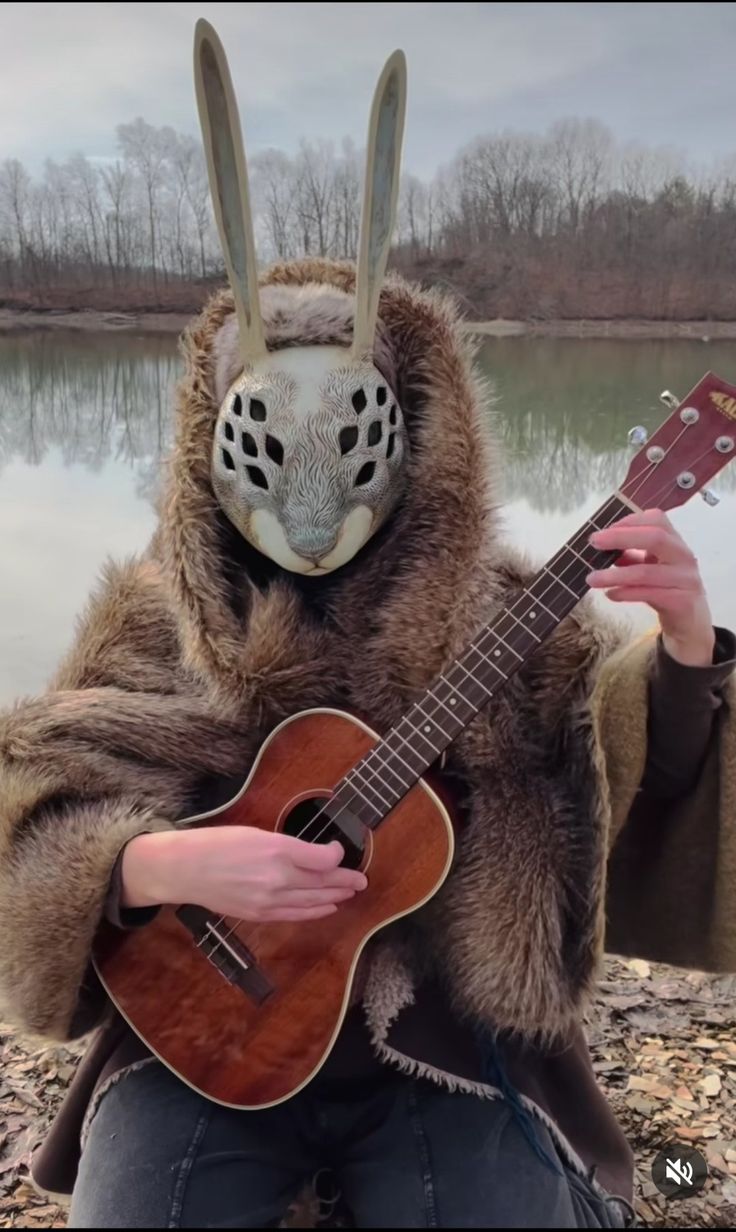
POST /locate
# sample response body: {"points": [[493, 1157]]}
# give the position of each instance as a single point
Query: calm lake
{"points": [[85, 420]]}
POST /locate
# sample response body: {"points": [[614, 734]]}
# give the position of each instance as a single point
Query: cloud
{"points": [[72, 72]]}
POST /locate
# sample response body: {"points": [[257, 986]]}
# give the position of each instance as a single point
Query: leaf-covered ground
{"points": [[664, 1049]]}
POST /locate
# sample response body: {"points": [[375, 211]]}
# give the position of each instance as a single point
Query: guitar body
{"points": [[257, 1047]]}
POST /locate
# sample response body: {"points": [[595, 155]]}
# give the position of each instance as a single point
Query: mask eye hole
{"points": [[227, 459], [375, 432], [381, 394], [360, 401], [257, 410], [256, 476], [348, 439], [393, 416], [390, 446], [275, 450], [229, 434], [365, 474], [249, 445], [237, 407]]}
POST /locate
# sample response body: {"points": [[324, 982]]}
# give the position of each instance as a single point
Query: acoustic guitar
{"points": [[247, 1013]]}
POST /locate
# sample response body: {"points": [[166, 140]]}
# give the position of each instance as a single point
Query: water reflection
{"points": [[565, 407], [94, 399], [85, 421]]}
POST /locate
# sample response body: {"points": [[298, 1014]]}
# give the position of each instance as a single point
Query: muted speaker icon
{"points": [[679, 1171]]}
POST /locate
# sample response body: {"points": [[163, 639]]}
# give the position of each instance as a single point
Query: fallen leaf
{"points": [[626, 1002], [642, 1020], [640, 967], [711, 1084], [23, 1094], [637, 1083], [637, 1103]]}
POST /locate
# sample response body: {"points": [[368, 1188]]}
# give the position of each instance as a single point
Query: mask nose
{"points": [[312, 542]]}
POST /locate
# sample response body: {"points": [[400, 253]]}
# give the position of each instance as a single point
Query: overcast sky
{"points": [[662, 74]]}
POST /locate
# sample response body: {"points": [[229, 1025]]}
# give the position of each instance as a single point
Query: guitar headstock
{"points": [[690, 447]]}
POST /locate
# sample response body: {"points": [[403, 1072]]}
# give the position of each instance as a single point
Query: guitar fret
{"points": [[545, 608], [570, 548], [368, 783], [569, 589], [463, 689], [471, 676], [378, 752], [392, 754], [430, 723], [466, 686], [452, 713], [408, 748], [496, 652], [395, 753], [520, 622]]}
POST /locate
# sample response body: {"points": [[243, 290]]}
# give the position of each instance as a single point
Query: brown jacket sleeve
{"points": [[671, 885], [683, 702], [124, 917]]}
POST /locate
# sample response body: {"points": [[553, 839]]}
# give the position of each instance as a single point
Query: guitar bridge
{"points": [[226, 952]]}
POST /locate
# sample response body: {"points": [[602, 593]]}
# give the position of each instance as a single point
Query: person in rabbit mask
{"points": [[330, 537]]}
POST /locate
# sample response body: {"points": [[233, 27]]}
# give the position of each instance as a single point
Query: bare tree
{"points": [[274, 188], [581, 151], [314, 196], [115, 182], [15, 198], [144, 148]]}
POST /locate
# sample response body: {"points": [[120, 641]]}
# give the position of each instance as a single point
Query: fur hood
{"points": [[187, 658], [444, 527], [522, 910]]}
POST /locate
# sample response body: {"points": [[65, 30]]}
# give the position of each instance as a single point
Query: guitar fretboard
{"points": [[421, 736]]}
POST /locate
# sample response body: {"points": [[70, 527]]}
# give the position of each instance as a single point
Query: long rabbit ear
{"points": [[228, 175], [383, 162]]}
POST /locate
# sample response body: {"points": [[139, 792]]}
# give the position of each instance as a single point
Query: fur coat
{"points": [[187, 657]]}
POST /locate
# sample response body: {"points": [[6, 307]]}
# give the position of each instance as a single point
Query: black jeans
{"points": [[406, 1154]]}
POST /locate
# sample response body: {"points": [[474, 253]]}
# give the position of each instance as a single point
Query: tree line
{"points": [[567, 224]]}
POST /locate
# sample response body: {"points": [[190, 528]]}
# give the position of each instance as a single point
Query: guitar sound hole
{"points": [[307, 821]]}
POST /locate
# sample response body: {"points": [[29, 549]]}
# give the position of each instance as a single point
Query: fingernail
{"points": [[592, 578], [595, 538]]}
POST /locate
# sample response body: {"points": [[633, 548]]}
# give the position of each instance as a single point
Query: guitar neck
{"points": [[419, 739]]}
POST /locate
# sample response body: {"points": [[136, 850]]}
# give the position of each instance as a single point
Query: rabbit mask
{"points": [[309, 447]]}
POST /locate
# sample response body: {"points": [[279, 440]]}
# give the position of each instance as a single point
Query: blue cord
{"points": [[496, 1076]]}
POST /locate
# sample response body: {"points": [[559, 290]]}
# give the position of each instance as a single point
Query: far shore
{"points": [[13, 321]]}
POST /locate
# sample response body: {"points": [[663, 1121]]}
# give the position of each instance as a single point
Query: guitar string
{"points": [[482, 641], [642, 479]]}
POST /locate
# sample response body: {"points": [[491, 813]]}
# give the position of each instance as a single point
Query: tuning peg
{"points": [[670, 400], [638, 436], [709, 496]]}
